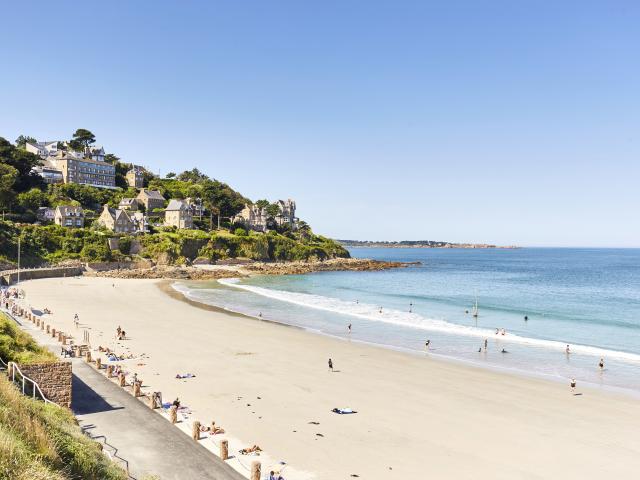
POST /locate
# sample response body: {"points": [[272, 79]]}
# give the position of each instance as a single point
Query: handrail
{"points": [[113, 457], [13, 366]]}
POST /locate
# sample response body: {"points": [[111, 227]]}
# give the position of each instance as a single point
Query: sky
{"points": [[514, 123]]}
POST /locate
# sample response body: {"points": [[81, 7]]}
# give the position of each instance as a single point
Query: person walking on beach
{"points": [[118, 332], [486, 343], [349, 329], [76, 320], [601, 364], [330, 365], [426, 344], [573, 385], [567, 350]]}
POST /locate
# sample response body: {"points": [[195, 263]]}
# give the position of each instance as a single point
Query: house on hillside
{"points": [[46, 214], [48, 172], [69, 216], [129, 203], [78, 168], [252, 217], [151, 199], [135, 177], [178, 214], [42, 149], [116, 220], [287, 215]]}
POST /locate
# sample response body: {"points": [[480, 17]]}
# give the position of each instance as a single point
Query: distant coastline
{"points": [[417, 244]]}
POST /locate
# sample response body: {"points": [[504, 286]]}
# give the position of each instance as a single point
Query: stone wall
{"points": [[9, 278], [54, 380]]}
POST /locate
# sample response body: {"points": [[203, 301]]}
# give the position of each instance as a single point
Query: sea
{"points": [[586, 299]]}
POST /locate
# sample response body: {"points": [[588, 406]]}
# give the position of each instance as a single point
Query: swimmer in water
{"points": [[601, 364]]}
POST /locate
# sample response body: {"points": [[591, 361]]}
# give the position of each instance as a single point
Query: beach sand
{"points": [[418, 417]]}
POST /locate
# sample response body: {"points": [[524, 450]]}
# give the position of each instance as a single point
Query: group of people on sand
{"points": [[213, 429], [120, 333]]}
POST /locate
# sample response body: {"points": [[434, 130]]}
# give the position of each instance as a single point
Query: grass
{"points": [[18, 346], [39, 441]]}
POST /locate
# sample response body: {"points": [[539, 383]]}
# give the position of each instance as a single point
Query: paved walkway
{"points": [[133, 433]]}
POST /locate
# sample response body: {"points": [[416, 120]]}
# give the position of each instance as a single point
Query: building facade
{"points": [[129, 203], [252, 217], [116, 220], [77, 169], [69, 216], [46, 214], [151, 199], [135, 177], [178, 214], [42, 149], [287, 215]]}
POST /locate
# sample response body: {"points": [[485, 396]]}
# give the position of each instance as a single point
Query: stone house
{"points": [[252, 217], [151, 199], [116, 220], [46, 214], [178, 214], [287, 215], [128, 204], [69, 216], [135, 177]]}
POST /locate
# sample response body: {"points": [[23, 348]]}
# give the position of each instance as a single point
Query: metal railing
{"points": [[25, 382], [113, 456]]}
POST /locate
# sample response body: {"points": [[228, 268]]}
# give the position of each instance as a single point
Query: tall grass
{"points": [[18, 346]]}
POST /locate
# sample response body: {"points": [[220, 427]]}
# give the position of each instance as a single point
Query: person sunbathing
{"points": [[249, 450]]}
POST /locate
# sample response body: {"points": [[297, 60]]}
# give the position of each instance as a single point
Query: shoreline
{"points": [[270, 386], [167, 287]]}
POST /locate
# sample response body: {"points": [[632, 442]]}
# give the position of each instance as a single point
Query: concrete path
{"points": [[133, 433]]}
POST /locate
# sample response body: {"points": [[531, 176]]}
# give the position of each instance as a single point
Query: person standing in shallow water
{"points": [[349, 328], [601, 364], [486, 343]]}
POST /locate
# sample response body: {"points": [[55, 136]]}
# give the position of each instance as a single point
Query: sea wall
{"points": [[54, 380], [10, 277]]}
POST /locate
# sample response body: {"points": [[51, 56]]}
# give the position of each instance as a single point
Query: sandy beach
{"points": [[418, 417]]}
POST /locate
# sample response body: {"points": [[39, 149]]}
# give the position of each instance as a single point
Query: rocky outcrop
{"points": [[212, 272]]}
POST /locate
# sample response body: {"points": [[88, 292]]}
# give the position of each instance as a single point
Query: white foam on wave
{"points": [[413, 320]]}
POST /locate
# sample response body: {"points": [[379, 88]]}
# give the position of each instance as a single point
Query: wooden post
{"points": [[123, 380], [53, 333], [38, 322], [173, 414], [195, 430], [48, 329], [255, 471], [42, 325], [136, 389], [152, 401], [224, 450], [98, 363], [60, 336], [109, 371], [88, 357], [64, 339]]}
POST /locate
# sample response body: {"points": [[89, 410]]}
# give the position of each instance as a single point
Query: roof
{"points": [[177, 205], [151, 194], [69, 210], [128, 201]]}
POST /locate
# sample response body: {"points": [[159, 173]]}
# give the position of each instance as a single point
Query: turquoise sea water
{"points": [[587, 298]]}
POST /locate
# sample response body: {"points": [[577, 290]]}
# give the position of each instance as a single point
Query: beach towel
{"points": [[343, 411]]}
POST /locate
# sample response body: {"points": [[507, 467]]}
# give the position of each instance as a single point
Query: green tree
{"points": [[262, 203], [82, 139], [8, 176], [171, 175], [194, 175], [22, 140], [33, 199], [273, 210], [111, 158], [24, 162]]}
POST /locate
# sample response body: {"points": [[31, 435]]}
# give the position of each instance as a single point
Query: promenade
{"points": [[134, 435]]}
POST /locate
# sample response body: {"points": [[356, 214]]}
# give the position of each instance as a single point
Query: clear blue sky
{"points": [[512, 122]]}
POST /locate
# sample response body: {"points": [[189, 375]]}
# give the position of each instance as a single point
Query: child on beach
{"points": [[573, 385]]}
